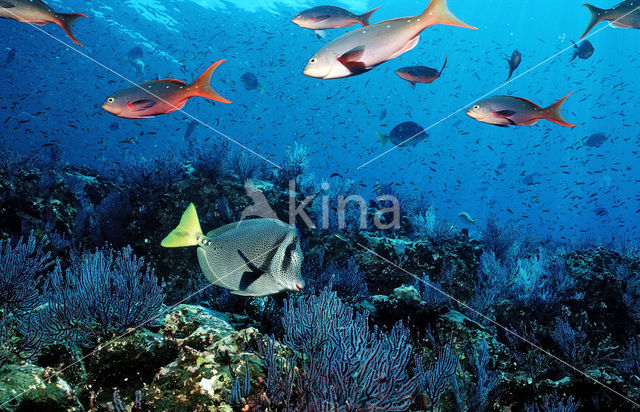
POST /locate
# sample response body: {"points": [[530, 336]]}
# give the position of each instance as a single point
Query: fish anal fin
{"points": [[410, 45]]}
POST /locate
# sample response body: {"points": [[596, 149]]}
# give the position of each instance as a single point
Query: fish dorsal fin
{"points": [[244, 224], [523, 100], [6, 5]]}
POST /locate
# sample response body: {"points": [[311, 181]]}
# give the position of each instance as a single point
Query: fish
{"points": [[256, 257], [250, 81], [514, 61], [595, 140], [156, 97], [584, 50], [515, 111], [11, 55], [625, 15], [330, 17], [363, 49], [466, 217], [404, 134], [190, 129], [38, 13], [420, 74]]}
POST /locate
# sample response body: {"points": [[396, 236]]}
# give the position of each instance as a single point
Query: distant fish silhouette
{"points": [[514, 61], [420, 74]]}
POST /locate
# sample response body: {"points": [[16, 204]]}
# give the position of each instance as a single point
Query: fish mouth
{"points": [[298, 286], [110, 109]]}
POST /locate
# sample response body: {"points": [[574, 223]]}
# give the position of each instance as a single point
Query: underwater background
{"points": [[529, 301]]}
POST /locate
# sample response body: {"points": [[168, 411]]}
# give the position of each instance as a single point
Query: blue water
{"points": [[52, 94]]}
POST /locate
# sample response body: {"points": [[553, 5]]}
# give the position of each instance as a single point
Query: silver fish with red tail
{"points": [[506, 111], [361, 50], [38, 13]]}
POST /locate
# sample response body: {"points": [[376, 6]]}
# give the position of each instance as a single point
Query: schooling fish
{"points": [[38, 13], [420, 74], [584, 50], [514, 61], [330, 17], [404, 134], [156, 97], [361, 50], [625, 15], [515, 111], [256, 257]]}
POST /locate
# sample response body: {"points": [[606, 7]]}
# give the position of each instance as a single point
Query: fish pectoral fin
{"points": [[504, 113], [320, 34], [350, 60], [251, 275], [140, 105], [321, 18], [6, 5], [352, 55]]}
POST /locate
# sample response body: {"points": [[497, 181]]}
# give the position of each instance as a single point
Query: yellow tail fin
{"points": [[187, 232], [438, 13]]}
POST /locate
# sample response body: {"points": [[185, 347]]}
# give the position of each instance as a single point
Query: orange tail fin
{"points": [[65, 21], [597, 15], [202, 86], [364, 18], [438, 13], [553, 114]]}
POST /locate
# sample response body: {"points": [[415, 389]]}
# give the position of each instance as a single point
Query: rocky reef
{"points": [[421, 318]]}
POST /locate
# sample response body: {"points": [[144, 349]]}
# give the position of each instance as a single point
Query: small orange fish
{"points": [[515, 111], [38, 13], [156, 97]]}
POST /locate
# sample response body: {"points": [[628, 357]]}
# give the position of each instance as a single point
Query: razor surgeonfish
{"points": [[156, 97], [584, 50], [404, 134], [420, 74], [515, 111], [361, 50], [514, 61], [330, 17], [38, 13], [256, 257], [625, 15]]}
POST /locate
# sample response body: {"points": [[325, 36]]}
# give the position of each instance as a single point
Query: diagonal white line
{"points": [[132, 330], [109, 69], [492, 91], [504, 328]]}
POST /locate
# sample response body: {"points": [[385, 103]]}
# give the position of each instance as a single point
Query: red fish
{"points": [[506, 111], [38, 13], [156, 97]]}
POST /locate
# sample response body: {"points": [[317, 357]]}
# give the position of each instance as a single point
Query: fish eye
{"points": [[313, 60], [476, 107], [111, 100]]}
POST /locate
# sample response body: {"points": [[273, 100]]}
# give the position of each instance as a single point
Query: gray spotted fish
{"points": [[256, 257]]}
